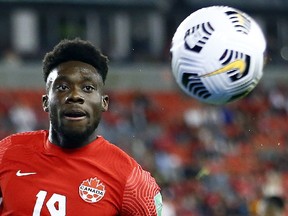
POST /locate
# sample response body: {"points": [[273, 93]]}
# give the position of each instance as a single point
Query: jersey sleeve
{"points": [[4, 144], [141, 195]]}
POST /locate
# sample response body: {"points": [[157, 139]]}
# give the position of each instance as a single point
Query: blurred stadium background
{"points": [[209, 160]]}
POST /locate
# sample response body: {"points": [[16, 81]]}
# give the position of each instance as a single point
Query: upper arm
{"points": [[4, 144], [141, 195]]}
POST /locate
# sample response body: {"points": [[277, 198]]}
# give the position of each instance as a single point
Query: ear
{"points": [[105, 103], [45, 100]]}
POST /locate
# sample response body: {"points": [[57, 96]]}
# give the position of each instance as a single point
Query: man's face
{"points": [[74, 100]]}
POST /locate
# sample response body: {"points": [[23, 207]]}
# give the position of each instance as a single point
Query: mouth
{"points": [[74, 115]]}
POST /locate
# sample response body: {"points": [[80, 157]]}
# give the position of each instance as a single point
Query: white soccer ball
{"points": [[218, 54]]}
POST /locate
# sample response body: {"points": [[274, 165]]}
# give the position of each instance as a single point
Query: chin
{"points": [[76, 134]]}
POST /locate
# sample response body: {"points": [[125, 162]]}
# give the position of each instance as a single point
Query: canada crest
{"points": [[92, 190]]}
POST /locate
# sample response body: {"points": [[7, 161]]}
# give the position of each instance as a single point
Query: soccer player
{"points": [[69, 169]]}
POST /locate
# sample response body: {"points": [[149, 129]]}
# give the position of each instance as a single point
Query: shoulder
{"points": [[114, 159], [24, 136], [140, 177], [142, 194], [20, 139], [116, 154]]}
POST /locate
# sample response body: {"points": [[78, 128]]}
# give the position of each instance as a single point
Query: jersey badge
{"points": [[92, 190]]}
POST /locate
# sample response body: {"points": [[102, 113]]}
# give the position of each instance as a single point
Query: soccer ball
{"points": [[218, 54]]}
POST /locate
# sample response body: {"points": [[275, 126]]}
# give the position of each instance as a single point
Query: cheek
{"points": [[53, 112], [56, 99], [96, 107], [54, 105], [94, 100]]}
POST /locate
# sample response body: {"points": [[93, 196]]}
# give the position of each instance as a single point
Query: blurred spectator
{"points": [[271, 206], [11, 59], [140, 109], [22, 117]]}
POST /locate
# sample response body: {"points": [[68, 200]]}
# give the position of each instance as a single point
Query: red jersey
{"points": [[40, 178]]}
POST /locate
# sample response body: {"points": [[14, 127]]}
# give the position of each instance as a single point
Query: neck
{"points": [[70, 141]]}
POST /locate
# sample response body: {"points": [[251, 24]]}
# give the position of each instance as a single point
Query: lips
{"points": [[74, 114]]}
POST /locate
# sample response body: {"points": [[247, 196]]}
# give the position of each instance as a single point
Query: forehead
{"points": [[73, 69]]}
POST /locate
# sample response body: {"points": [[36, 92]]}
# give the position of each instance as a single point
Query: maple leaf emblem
{"points": [[92, 190]]}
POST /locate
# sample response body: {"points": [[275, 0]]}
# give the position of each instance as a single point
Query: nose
{"points": [[74, 97]]}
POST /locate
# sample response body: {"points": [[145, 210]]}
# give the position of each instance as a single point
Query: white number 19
{"points": [[55, 200]]}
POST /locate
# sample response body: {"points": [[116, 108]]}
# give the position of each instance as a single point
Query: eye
{"points": [[62, 87], [89, 88]]}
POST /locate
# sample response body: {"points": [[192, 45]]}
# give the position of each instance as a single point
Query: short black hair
{"points": [[75, 50]]}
